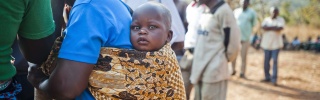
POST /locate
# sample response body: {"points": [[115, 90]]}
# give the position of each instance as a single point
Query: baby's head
{"points": [[150, 27]]}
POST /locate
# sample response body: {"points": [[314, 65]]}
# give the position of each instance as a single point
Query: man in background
{"points": [[246, 20], [181, 6], [272, 43], [218, 43], [193, 13]]}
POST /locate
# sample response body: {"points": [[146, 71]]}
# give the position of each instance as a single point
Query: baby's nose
{"points": [[143, 31]]}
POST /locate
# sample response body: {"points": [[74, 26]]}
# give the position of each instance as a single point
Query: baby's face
{"points": [[149, 31]]}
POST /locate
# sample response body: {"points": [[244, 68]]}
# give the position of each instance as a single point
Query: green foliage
{"points": [[307, 14], [295, 12], [310, 13], [284, 12]]}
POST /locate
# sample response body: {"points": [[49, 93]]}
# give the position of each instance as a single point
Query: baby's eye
{"points": [[152, 27], [135, 27]]}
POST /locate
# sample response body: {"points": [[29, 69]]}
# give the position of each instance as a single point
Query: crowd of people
{"points": [[296, 44], [131, 49]]}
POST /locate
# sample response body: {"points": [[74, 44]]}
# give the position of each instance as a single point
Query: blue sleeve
{"points": [[85, 95], [85, 34]]}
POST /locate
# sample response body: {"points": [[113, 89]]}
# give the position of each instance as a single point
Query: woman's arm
{"points": [[67, 81]]}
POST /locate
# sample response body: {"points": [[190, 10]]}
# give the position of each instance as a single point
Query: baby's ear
{"points": [[170, 34]]}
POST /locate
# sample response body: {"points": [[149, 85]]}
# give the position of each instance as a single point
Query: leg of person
{"points": [[244, 51], [234, 66], [267, 57], [187, 84], [214, 91], [186, 64], [275, 54]]}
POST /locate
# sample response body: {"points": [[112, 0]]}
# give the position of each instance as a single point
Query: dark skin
{"points": [[273, 28], [177, 47], [208, 3], [36, 51], [43, 45], [245, 4], [39, 47], [150, 27], [61, 84], [57, 11], [181, 6]]}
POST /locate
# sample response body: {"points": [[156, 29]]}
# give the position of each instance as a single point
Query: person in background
{"points": [[317, 45], [318, 39], [296, 43], [32, 22], [285, 42], [272, 43], [254, 39], [181, 6], [218, 42], [246, 20], [308, 45], [193, 12], [58, 9]]}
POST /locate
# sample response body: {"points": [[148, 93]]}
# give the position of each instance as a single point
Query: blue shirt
{"points": [[94, 24]]}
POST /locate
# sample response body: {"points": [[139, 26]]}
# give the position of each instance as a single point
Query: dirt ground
{"points": [[298, 78]]}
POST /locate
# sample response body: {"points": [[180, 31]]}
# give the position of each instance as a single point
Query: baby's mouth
{"points": [[142, 41]]}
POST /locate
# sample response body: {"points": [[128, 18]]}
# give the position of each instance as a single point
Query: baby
{"points": [[151, 71], [150, 27]]}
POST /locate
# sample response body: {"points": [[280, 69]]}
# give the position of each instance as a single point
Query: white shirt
{"points": [[210, 63], [176, 25], [193, 13], [272, 40]]}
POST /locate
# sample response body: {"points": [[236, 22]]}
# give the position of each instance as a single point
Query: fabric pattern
{"points": [[131, 75], [11, 91]]}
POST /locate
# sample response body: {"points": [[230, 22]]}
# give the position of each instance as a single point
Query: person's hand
{"points": [[35, 75], [12, 60]]}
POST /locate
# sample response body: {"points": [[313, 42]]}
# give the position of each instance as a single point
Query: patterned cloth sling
{"points": [[127, 74]]}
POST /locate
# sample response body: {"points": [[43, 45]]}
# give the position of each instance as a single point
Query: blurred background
{"points": [[302, 16], [299, 67]]}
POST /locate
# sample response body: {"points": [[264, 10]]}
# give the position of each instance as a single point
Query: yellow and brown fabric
{"points": [[129, 74]]}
